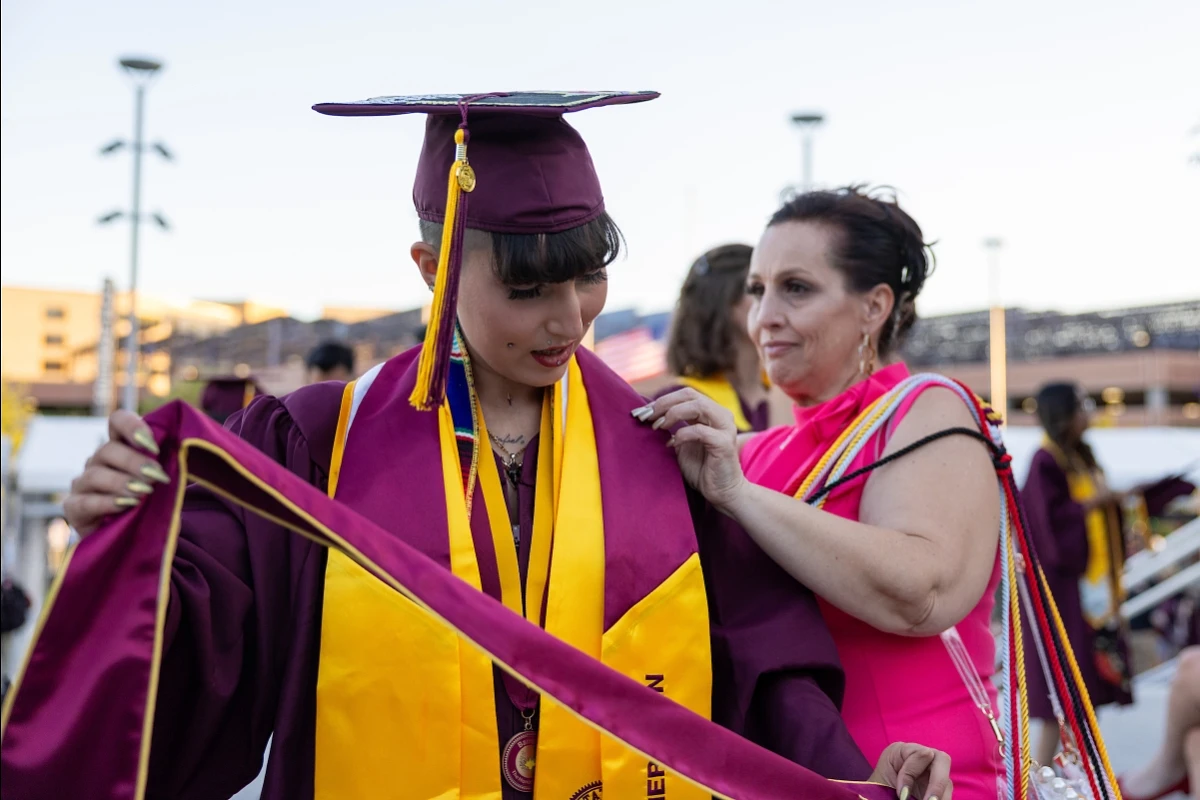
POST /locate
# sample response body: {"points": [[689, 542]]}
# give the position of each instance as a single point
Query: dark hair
{"points": [[1057, 405], [877, 243], [701, 342], [328, 356], [527, 258]]}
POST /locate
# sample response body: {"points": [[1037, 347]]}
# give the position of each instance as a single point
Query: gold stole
{"points": [[405, 709], [721, 391], [1100, 586]]}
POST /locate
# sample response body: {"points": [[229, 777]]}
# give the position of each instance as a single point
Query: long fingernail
{"points": [[125, 502], [658, 423], [138, 487], [155, 473], [643, 413], [904, 793], [146, 440]]}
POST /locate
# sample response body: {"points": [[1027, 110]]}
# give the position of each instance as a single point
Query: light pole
{"points": [[141, 71], [807, 122], [998, 344]]}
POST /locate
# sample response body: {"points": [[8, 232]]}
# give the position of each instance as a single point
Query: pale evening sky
{"points": [[1064, 128]]}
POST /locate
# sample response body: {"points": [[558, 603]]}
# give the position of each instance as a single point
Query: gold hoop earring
{"points": [[866, 356]]}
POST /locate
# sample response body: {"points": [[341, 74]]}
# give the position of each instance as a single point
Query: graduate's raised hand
{"points": [[915, 771], [117, 477], [706, 445]]}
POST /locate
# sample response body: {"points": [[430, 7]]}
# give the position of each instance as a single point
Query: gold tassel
{"points": [[430, 388]]}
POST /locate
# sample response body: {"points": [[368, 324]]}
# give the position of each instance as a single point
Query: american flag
{"points": [[634, 354]]}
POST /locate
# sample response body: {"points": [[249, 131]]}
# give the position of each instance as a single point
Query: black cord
{"points": [[997, 453]]}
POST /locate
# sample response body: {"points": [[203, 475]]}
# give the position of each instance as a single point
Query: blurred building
{"points": [[52, 340], [274, 351], [1140, 365], [352, 314]]}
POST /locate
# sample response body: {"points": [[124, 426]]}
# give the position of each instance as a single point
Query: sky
{"points": [[1065, 129]]}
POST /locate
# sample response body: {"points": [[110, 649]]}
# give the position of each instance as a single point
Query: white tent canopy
{"points": [[55, 450]]}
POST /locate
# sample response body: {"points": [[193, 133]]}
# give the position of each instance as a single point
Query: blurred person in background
{"points": [[1075, 522], [330, 361], [709, 348], [224, 396], [1176, 765], [14, 609]]}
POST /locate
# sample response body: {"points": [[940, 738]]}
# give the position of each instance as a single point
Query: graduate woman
{"points": [[506, 453]]}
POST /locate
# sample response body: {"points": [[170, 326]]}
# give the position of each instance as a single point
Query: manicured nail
{"points": [[643, 413], [904, 793], [155, 473], [146, 440], [658, 423], [125, 502], [138, 487]]}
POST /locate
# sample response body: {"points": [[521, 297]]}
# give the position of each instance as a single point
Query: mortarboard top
{"points": [[529, 172], [1160, 494], [225, 395]]}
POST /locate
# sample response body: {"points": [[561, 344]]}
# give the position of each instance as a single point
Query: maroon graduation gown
{"points": [[1058, 529], [243, 635]]}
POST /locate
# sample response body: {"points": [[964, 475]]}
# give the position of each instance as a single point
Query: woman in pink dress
{"points": [[904, 558]]}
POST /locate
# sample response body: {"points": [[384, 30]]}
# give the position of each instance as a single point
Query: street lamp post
{"points": [[142, 71], [997, 337], [807, 122]]}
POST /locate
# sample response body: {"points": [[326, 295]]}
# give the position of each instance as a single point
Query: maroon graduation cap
{"points": [[1160, 494], [529, 172], [225, 395]]}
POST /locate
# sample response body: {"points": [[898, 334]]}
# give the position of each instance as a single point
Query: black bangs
{"points": [[524, 259]]}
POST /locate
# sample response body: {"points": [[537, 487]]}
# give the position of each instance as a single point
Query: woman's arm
{"points": [[922, 554]]}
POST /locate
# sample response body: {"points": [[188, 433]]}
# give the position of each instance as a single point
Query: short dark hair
{"points": [[701, 342], [522, 259], [328, 356], [877, 243]]}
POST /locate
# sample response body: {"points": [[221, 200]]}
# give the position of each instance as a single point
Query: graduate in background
{"points": [[225, 396], [570, 513], [330, 361], [1075, 520]]}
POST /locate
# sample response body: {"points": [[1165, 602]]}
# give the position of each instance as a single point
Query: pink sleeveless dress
{"points": [[898, 688]]}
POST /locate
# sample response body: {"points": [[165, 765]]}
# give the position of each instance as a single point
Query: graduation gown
{"points": [[242, 635], [1058, 528]]}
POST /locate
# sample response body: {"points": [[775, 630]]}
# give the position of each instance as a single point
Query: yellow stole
{"points": [[721, 391], [1100, 586], [405, 709]]}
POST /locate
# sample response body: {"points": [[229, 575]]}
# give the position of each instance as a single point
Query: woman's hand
{"points": [[707, 447], [117, 477], [916, 770]]}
